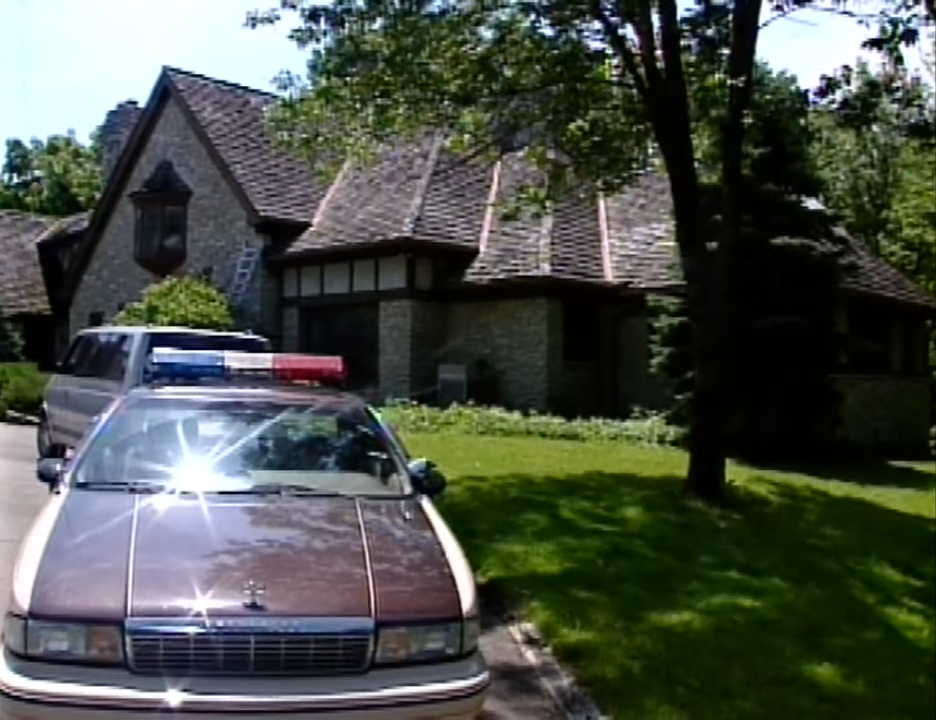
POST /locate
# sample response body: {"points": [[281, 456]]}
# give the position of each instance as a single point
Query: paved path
{"points": [[515, 694]]}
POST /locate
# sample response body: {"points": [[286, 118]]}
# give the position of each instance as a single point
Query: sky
{"points": [[65, 63]]}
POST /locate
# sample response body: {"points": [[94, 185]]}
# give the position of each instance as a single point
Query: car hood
{"points": [[113, 555]]}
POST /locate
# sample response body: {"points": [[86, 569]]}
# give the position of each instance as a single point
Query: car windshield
{"points": [[330, 445]]}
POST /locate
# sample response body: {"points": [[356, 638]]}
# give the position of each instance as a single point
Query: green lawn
{"points": [[812, 597]]}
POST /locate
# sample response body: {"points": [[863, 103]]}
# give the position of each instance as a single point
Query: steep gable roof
{"points": [[22, 290], [228, 119], [278, 186], [420, 192]]}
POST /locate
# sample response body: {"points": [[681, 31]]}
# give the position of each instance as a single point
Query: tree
{"points": [[595, 87], [58, 177], [180, 301], [875, 144]]}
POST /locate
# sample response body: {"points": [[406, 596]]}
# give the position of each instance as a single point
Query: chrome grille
{"points": [[204, 650]]}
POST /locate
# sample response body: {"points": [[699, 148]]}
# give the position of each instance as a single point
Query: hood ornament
{"points": [[254, 592]]}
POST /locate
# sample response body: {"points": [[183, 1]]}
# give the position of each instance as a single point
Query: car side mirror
{"points": [[426, 478], [49, 471]]}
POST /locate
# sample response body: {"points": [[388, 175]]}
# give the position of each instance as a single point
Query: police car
{"points": [[237, 537]]}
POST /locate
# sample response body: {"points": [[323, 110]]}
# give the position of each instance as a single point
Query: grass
{"points": [[812, 597]]}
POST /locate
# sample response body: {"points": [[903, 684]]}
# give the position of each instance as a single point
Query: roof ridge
{"points": [[418, 201], [170, 70], [545, 241]]}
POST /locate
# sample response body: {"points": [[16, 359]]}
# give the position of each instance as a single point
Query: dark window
{"points": [[161, 220], [85, 364], [95, 319], [351, 331], [112, 355], [77, 349], [579, 332], [206, 341], [869, 342]]}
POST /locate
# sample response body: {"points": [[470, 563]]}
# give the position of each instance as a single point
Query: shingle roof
{"points": [[641, 234], [422, 192], [416, 190], [69, 225], [563, 242], [22, 290], [278, 185], [873, 276]]}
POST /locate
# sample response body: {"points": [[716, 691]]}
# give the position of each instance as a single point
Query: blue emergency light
{"points": [[170, 364]]}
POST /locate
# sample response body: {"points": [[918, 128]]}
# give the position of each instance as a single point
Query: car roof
{"points": [[159, 329], [228, 391]]}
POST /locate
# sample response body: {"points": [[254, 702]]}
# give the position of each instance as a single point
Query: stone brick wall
{"points": [[395, 343], [885, 412], [217, 230], [513, 336], [522, 341]]}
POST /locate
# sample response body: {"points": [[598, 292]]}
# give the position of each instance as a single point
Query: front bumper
{"points": [[40, 691]]}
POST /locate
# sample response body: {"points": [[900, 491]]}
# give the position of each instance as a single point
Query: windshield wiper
{"points": [[128, 486], [293, 489]]}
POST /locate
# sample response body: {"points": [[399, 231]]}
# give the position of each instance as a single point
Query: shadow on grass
{"points": [[864, 471], [794, 604]]}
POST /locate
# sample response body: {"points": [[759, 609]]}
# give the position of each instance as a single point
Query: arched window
{"points": [[161, 206]]}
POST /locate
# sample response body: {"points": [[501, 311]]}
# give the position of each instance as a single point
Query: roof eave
{"points": [[395, 243]]}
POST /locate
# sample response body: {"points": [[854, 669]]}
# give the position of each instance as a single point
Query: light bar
{"points": [[172, 364]]}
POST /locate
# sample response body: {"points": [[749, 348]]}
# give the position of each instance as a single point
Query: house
{"points": [[23, 299], [409, 269], [35, 251]]}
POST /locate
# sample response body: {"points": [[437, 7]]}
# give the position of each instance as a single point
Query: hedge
{"points": [[21, 388], [471, 419]]}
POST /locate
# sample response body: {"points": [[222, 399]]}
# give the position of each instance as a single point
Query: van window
{"points": [[112, 356], [67, 363], [80, 356], [193, 341]]}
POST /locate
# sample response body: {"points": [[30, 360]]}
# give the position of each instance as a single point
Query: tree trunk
{"points": [[705, 478], [667, 104]]}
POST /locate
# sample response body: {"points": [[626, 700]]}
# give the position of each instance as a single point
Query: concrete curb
{"points": [[573, 702], [19, 418]]}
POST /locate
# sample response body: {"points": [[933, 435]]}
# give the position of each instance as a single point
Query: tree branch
{"points": [[787, 12], [621, 48]]}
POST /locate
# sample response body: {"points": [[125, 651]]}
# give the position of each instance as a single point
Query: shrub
{"points": [[11, 344], [21, 388], [472, 419], [180, 301]]}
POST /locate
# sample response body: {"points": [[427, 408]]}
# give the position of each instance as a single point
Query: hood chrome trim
{"points": [[251, 625]]}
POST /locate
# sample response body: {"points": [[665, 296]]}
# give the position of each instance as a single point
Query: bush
{"points": [[11, 344], [472, 419], [180, 301], [21, 388]]}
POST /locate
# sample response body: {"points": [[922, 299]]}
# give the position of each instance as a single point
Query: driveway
{"points": [[515, 692]]}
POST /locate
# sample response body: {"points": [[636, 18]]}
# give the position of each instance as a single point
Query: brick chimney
{"points": [[116, 129]]}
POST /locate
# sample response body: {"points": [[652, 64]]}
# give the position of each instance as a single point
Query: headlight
{"points": [[418, 643], [14, 634], [74, 642]]}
